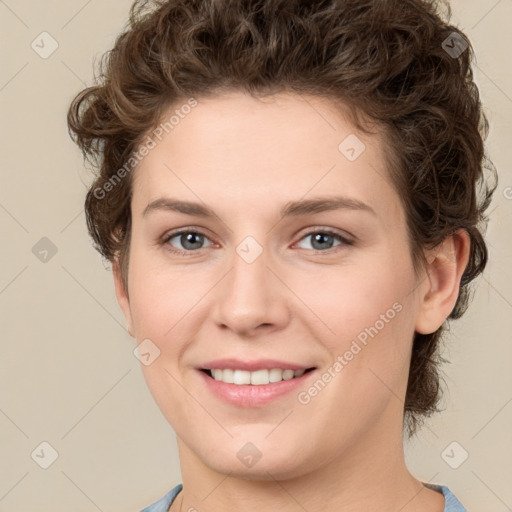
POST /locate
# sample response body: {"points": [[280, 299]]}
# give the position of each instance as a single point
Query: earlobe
{"points": [[122, 295], [438, 296]]}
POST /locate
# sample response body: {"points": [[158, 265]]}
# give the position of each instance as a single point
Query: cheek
{"points": [[340, 303], [350, 299], [159, 296], [369, 310], [160, 308]]}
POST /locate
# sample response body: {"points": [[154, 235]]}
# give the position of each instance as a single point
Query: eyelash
{"points": [[170, 236]]}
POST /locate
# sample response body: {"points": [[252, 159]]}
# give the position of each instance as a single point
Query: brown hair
{"points": [[398, 63]]}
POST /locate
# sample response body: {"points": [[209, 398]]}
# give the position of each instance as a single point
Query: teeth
{"points": [[226, 375], [288, 374], [275, 375], [240, 377], [257, 378]]}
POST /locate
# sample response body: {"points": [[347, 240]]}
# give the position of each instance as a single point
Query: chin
{"points": [[249, 463]]}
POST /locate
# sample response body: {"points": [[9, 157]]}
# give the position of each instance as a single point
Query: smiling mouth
{"points": [[255, 378]]}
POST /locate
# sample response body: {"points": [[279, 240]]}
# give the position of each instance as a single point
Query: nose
{"points": [[251, 298]]}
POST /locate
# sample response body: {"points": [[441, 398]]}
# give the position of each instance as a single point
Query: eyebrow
{"points": [[290, 209]]}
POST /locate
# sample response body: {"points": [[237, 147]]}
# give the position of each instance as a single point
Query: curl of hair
{"points": [[383, 59]]}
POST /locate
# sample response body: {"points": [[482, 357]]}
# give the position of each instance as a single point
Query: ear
{"points": [[440, 290], [122, 295]]}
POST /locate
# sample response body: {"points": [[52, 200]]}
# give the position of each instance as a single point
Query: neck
{"points": [[370, 475]]}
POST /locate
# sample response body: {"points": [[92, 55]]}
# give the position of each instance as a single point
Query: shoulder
{"points": [[163, 504], [452, 504]]}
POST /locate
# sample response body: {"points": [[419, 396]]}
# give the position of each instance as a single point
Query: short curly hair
{"points": [[397, 63]]}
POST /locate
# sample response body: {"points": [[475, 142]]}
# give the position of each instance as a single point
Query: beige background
{"points": [[68, 373]]}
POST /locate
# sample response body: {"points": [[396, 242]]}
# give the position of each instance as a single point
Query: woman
{"points": [[233, 140]]}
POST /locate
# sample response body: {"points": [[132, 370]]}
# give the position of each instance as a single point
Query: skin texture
{"points": [[245, 159]]}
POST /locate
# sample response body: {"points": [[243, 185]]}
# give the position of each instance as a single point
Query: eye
{"points": [[190, 240], [322, 240]]}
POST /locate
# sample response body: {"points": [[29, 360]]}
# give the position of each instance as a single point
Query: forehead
{"points": [[257, 152]]}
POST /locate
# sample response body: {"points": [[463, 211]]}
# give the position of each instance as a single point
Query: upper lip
{"points": [[251, 366]]}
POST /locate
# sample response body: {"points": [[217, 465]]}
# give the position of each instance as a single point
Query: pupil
{"points": [[189, 239], [319, 237]]}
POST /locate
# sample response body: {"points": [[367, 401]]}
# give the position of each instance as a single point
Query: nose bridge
{"points": [[250, 295]]}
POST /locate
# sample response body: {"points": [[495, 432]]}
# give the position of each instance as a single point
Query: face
{"points": [[275, 277]]}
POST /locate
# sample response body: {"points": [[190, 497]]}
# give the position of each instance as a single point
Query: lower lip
{"points": [[246, 395]]}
